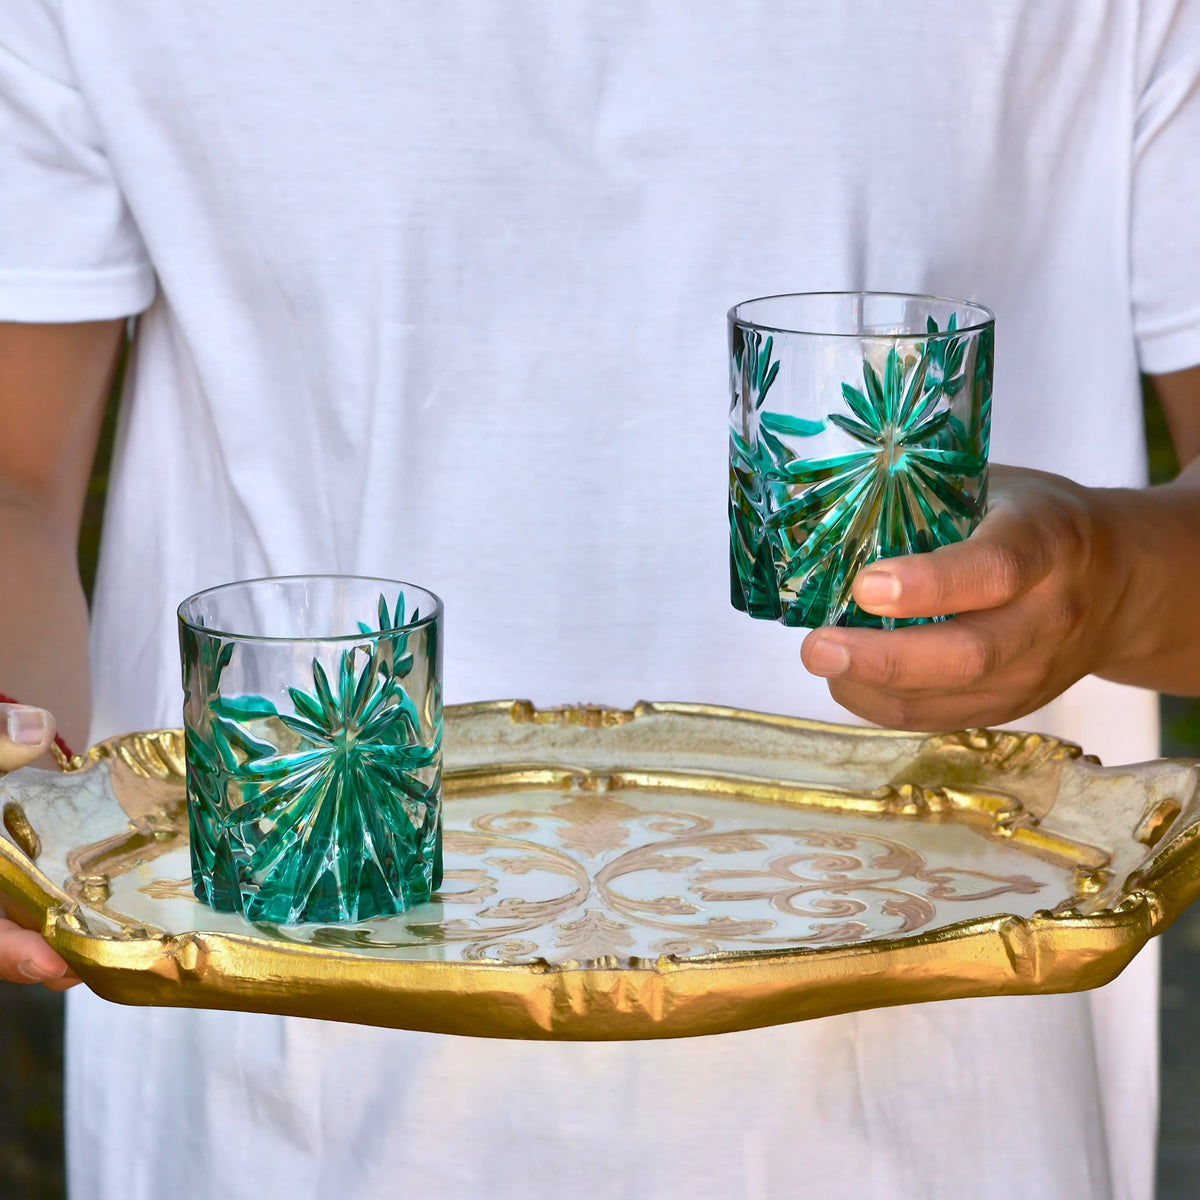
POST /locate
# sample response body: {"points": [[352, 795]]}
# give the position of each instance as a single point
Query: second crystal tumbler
{"points": [[858, 430], [313, 726]]}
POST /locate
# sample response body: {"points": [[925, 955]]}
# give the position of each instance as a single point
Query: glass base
{"points": [[313, 884]]}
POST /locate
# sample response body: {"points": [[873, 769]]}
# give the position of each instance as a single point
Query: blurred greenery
{"points": [[31, 1165], [31, 1158], [1179, 1030], [93, 504], [1160, 451]]}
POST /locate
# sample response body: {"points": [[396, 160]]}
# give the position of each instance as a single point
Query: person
{"points": [[435, 292]]}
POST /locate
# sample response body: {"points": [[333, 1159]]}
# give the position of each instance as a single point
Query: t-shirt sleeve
{"points": [[70, 249], [1165, 213]]}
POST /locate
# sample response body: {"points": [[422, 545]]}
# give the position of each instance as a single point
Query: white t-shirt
{"points": [[437, 291]]}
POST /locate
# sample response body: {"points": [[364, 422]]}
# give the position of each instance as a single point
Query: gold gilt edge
{"points": [[667, 997], [985, 742]]}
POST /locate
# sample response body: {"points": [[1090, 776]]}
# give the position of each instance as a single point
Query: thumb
{"points": [[26, 733], [1005, 556]]}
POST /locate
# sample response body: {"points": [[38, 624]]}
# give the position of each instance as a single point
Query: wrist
{"points": [[1142, 535]]}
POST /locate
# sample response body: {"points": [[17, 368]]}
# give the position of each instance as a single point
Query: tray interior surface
{"points": [[574, 873]]}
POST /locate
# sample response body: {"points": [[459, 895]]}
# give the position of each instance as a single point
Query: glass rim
{"points": [[426, 619], [989, 317]]}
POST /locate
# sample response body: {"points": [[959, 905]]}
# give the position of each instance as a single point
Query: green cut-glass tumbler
{"points": [[313, 727], [858, 430]]}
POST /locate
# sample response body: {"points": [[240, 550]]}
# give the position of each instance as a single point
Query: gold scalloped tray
{"points": [[665, 871]]}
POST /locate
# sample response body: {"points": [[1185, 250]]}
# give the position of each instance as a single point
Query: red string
{"points": [[57, 739]]}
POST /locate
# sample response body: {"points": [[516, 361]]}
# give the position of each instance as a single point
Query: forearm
{"points": [[1153, 537], [53, 384], [43, 620], [43, 662]]}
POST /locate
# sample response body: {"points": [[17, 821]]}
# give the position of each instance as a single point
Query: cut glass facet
{"points": [[322, 800]]}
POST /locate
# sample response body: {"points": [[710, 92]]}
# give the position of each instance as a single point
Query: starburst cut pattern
{"points": [[330, 813], [801, 528]]}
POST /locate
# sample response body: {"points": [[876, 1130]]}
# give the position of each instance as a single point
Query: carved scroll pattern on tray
{"points": [[829, 881], [618, 870]]}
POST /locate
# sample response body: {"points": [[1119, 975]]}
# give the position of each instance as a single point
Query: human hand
{"points": [[1035, 590], [25, 735]]}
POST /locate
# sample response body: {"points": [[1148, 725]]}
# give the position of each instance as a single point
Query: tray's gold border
{"points": [[1049, 952]]}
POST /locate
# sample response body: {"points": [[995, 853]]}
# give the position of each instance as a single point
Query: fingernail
{"points": [[35, 974], [828, 658], [878, 587], [27, 726]]}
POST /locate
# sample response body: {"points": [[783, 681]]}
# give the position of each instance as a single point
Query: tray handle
{"points": [[1171, 831], [20, 832]]}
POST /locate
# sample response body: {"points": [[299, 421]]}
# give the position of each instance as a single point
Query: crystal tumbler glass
{"points": [[858, 430], [313, 724]]}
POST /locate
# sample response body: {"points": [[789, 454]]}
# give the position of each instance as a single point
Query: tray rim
{"points": [[664, 997]]}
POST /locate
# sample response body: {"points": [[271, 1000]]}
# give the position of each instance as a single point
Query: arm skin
{"points": [[54, 380], [1058, 581]]}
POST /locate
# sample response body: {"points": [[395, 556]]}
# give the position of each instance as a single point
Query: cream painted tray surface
{"points": [[664, 871]]}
